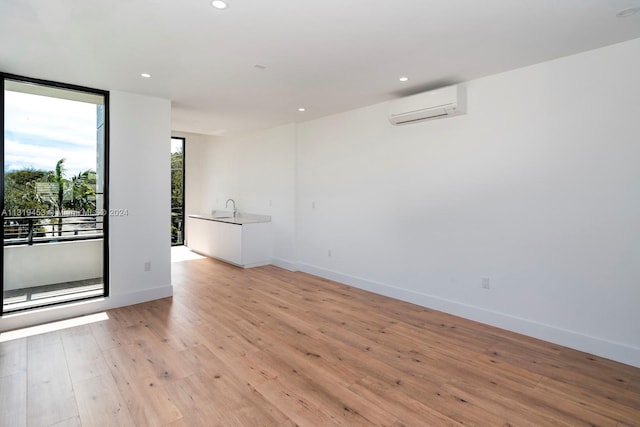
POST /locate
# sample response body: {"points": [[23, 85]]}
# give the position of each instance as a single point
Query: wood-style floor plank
{"points": [[69, 422], [13, 400], [50, 396], [268, 347], [84, 357], [13, 357], [100, 403], [138, 383]]}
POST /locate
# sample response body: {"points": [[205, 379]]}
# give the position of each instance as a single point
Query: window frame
{"points": [[184, 222], [105, 248]]}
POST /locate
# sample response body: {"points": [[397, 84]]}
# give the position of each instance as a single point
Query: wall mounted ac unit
{"points": [[436, 104]]}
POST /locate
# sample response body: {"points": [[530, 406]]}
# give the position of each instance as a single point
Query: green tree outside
{"points": [[37, 193], [176, 197]]}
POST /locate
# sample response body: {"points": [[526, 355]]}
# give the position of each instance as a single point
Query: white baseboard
{"points": [[141, 296], [286, 264], [81, 308], [601, 347]]}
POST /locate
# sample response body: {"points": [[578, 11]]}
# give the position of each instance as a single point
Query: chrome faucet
{"points": [[235, 211]]}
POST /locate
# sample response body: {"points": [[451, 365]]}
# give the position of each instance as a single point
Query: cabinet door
{"points": [[256, 244], [227, 242], [198, 236], [215, 239]]}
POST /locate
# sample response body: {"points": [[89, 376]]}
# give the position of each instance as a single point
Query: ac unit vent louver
{"points": [[435, 104]]}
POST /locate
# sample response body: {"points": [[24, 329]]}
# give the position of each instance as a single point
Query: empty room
{"points": [[295, 213]]}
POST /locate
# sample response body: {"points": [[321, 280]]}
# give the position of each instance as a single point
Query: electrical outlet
{"points": [[329, 252], [313, 205], [147, 266], [485, 283]]}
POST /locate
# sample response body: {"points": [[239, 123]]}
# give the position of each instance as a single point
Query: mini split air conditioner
{"points": [[435, 104]]}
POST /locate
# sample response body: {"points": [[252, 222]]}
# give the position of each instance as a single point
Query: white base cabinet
{"points": [[244, 245]]}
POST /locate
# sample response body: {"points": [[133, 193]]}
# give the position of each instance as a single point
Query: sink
{"points": [[222, 214]]}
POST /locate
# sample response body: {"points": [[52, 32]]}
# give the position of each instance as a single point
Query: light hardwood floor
{"points": [[267, 347]]}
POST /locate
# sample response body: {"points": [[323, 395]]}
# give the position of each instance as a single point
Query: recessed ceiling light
{"points": [[628, 12], [219, 4], [302, 110], [145, 75], [260, 67], [404, 79]]}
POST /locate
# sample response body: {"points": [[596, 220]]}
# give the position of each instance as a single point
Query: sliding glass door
{"points": [[54, 204]]}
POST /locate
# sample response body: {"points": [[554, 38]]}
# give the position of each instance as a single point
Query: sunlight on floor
{"points": [[183, 253], [54, 326]]}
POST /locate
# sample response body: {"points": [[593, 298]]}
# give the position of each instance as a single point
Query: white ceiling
{"points": [[327, 56]]}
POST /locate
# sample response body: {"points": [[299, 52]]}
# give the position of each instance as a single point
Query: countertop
{"points": [[239, 219]]}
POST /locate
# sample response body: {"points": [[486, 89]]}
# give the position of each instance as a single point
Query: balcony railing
{"points": [[177, 226], [31, 230]]}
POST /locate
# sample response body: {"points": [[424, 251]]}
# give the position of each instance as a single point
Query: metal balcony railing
{"points": [[44, 229], [177, 224]]}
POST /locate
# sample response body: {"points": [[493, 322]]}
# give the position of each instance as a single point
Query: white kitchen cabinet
{"points": [[245, 245]]}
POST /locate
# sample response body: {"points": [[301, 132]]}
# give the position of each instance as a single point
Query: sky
{"points": [[40, 130], [176, 145]]}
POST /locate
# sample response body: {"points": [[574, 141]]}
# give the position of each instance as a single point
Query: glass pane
{"points": [[53, 195], [177, 191]]}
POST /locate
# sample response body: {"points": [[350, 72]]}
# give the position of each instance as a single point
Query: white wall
{"points": [[258, 172], [139, 182], [196, 155], [536, 188], [58, 262]]}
